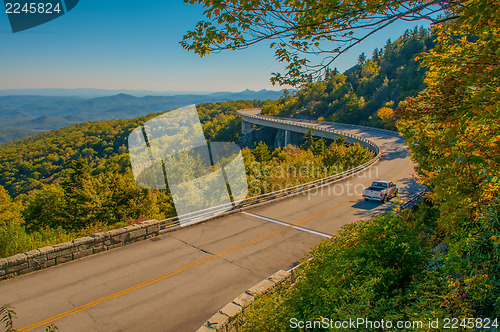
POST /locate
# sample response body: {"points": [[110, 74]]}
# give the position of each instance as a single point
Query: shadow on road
{"points": [[395, 150], [367, 205], [409, 187]]}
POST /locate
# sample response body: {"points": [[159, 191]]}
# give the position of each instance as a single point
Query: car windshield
{"points": [[379, 184]]}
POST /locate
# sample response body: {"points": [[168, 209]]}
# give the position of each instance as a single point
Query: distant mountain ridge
{"points": [[29, 115], [93, 93]]}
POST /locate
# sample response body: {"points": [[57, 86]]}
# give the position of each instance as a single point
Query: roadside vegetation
{"points": [[8, 317], [271, 170]]}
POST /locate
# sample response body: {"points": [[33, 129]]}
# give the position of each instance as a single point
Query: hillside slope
{"points": [[29, 162], [366, 94]]}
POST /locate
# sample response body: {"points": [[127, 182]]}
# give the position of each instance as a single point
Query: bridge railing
{"points": [[221, 210], [352, 126], [316, 122]]}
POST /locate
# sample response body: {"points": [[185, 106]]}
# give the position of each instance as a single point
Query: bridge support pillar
{"points": [[246, 127], [287, 137]]}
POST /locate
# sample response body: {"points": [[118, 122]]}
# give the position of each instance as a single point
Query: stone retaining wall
{"points": [[64, 252]]}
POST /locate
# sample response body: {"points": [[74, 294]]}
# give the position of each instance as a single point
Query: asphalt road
{"points": [[177, 281]]}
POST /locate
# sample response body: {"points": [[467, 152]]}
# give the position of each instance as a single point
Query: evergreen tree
{"points": [[261, 152], [82, 196], [319, 147], [308, 140]]}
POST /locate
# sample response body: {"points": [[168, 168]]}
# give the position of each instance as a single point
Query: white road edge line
{"points": [[286, 224]]}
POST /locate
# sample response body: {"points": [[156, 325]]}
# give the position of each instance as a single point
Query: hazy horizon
{"points": [[93, 92]]}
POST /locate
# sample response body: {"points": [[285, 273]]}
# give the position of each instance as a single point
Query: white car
{"points": [[380, 191]]}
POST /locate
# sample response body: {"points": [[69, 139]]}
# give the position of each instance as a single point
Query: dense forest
{"points": [[77, 180], [366, 94]]}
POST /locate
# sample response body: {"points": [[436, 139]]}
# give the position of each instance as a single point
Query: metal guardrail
{"points": [[413, 201], [202, 215]]}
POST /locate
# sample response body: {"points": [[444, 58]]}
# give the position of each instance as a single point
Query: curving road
{"points": [[176, 281]]}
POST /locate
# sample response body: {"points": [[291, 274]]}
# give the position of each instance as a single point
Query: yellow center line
{"points": [[186, 267]]}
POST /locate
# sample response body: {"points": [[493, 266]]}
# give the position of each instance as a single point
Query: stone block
{"points": [[153, 229], [279, 276], [134, 234], [32, 254], [131, 228], [64, 259], [205, 329], [3, 263], [54, 254], [16, 268], [244, 299], [37, 262], [49, 263], [231, 310], [117, 236], [16, 259], [111, 241], [28, 270], [82, 253], [147, 223], [99, 249], [116, 232], [261, 287], [113, 246], [69, 250], [217, 320], [46, 250], [84, 243], [98, 244], [100, 237], [123, 238], [63, 246]]}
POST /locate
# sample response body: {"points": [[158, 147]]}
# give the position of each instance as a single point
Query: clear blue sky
{"points": [[124, 44]]}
